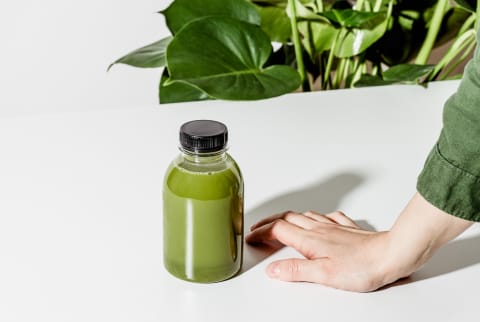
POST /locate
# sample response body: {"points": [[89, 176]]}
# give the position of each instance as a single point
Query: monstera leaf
{"points": [[182, 12], [178, 92], [404, 73], [150, 56], [275, 23], [224, 57], [350, 18], [359, 30]]}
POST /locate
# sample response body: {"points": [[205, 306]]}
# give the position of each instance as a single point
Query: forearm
{"points": [[418, 232]]}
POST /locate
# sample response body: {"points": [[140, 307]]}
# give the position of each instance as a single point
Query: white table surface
{"points": [[81, 222]]}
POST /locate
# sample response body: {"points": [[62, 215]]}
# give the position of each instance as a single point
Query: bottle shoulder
{"points": [[206, 167], [205, 180]]}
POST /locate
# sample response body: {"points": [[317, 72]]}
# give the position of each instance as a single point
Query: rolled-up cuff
{"points": [[449, 188]]}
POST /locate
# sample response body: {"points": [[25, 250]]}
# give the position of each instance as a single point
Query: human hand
{"points": [[338, 253]]}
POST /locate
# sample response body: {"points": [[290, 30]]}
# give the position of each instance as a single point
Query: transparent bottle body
{"points": [[203, 217]]}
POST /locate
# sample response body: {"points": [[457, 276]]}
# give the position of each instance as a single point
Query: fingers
{"points": [[300, 220], [336, 217], [318, 217], [299, 270], [286, 233], [290, 216], [309, 219], [340, 218], [269, 219]]}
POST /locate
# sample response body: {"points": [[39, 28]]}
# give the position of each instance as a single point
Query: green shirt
{"points": [[450, 179]]}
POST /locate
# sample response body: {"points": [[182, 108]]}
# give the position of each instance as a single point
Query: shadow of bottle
{"points": [[324, 196]]}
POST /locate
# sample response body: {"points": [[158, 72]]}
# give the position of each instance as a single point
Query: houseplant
{"points": [[223, 48]]}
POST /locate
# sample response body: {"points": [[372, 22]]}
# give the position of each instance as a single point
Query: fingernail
{"points": [[273, 270]]}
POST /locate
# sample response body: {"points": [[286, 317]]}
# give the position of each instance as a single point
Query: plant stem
{"points": [[462, 42], [377, 6], [359, 5], [348, 62], [367, 6], [328, 68], [339, 73], [432, 33], [460, 60], [311, 41], [477, 21], [321, 67], [319, 4], [364, 68], [356, 63], [467, 24], [358, 66], [298, 46], [358, 73]]}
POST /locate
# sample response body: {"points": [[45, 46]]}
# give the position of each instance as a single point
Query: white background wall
{"points": [[54, 54]]}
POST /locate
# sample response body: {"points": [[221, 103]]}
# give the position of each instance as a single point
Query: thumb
{"points": [[298, 270]]}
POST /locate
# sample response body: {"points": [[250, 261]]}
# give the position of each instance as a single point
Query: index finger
{"points": [[271, 219], [286, 233]]}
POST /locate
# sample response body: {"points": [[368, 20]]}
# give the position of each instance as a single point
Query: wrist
{"points": [[419, 231], [403, 258], [393, 262]]}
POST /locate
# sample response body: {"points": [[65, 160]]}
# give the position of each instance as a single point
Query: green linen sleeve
{"points": [[450, 179]]}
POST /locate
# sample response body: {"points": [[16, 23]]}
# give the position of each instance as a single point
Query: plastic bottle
{"points": [[203, 206]]}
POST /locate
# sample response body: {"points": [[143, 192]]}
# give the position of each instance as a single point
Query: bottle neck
{"points": [[199, 158]]}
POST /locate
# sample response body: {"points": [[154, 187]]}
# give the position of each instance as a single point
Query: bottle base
{"points": [[202, 275]]}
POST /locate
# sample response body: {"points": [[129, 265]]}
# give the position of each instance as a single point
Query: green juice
{"points": [[203, 218]]}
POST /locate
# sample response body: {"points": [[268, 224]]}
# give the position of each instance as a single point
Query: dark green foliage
{"points": [[221, 49]]}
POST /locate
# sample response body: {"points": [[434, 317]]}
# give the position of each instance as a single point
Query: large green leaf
{"points": [[318, 36], [404, 73], [275, 23], [353, 41], [407, 72], [182, 12], [354, 31], [349, 18], [371, 80], [224, 58], [150, 56], [178, 91]]}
